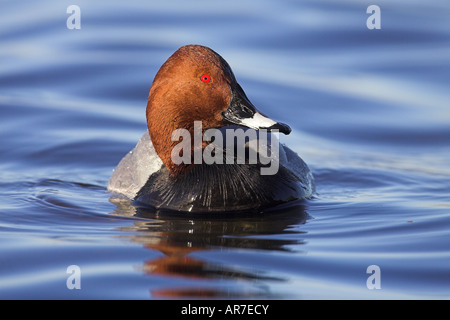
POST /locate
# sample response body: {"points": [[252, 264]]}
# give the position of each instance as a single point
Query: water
{"points": [[370, 115]]}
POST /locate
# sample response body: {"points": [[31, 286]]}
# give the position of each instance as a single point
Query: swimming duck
{"points": [[196, 93]]}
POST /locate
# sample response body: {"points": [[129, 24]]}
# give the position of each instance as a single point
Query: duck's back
{"points": [[135, 168]]}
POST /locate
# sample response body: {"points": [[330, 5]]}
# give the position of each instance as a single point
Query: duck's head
{"points": [[197, 84]]}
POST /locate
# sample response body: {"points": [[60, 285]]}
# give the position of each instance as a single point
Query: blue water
{"points": [[370, 112]]}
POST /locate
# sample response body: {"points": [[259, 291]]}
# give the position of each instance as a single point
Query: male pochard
{"points": [[197, 86]]}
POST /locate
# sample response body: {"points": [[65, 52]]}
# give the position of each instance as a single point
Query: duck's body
{"points": [[141, 176], [196, 84]]}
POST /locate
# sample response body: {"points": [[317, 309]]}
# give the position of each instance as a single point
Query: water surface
{"points": [[370, 115]]}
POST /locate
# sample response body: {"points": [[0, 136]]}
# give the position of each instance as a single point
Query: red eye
{"points": [[205, 78]]}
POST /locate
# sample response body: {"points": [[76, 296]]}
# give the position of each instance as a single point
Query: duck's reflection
{"points": [[177, 237]]}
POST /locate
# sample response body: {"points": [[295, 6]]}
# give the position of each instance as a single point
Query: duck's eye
{"points": [[205, 78]]}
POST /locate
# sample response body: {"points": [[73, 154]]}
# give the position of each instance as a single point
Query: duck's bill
{"points": [[242, 112]]}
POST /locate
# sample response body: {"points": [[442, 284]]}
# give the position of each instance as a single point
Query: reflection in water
{"points": [[178, 236]]}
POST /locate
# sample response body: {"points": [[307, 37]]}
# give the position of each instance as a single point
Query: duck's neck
{"points": [[179, 148]]}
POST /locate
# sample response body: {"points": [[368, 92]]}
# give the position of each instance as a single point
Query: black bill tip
{"points": [[281, 127]]}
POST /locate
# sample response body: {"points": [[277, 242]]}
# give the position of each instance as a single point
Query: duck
{"points": [[195, 93]]}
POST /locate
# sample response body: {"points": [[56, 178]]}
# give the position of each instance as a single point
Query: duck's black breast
{"points": [[220, 188]]}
